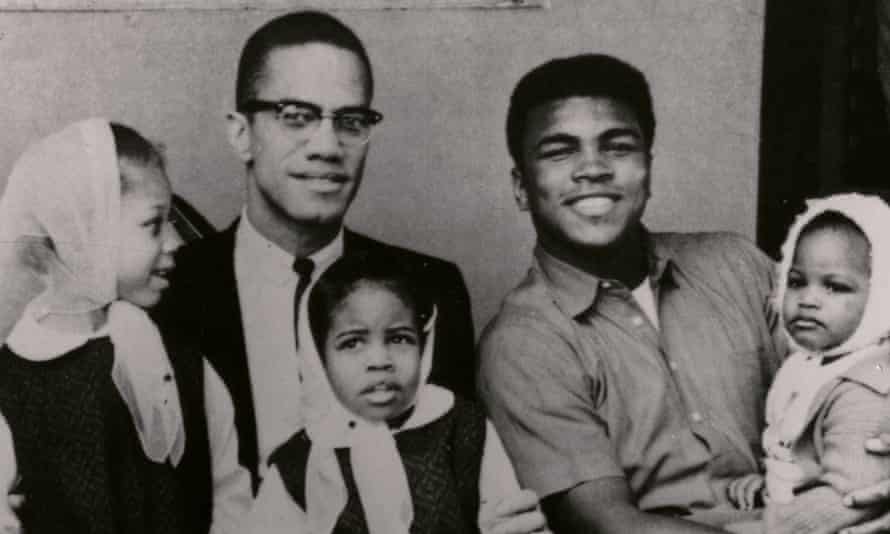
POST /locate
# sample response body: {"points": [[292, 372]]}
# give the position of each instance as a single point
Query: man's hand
{"points": [[745, 493], [878, 494], [516, 514]]}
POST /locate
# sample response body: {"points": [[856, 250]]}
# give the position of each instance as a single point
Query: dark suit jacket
{"points": [[203, 301]]}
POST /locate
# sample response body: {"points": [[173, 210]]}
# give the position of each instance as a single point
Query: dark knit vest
{"points": [[442, 459], [82, 467]]}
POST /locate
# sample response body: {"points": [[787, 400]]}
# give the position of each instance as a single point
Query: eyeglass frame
{"points": [[372, 116]]}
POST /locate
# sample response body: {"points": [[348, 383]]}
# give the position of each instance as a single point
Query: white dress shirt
{"points": [[645, 297], [266, 286]]}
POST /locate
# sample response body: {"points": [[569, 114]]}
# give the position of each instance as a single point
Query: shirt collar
{"points": [[33, 341], [273, 264], [575, 290], [872, 372]]}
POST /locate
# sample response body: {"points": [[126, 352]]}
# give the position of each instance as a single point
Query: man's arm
{"points": [[874, 495], [542, 402], [606, 506], [454, 366]]}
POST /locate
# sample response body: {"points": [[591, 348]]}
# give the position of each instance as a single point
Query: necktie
{"points": [[303, 267]]}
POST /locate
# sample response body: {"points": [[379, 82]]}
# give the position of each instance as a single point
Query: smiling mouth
{"points": [[334, 177], [595, 205], [162, 273]]}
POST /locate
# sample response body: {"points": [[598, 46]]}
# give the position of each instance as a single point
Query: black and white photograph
{"points": [[444, 266]]}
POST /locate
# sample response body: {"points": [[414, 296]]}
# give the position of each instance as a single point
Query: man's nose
{"points": [[324, 143], [592, 165]]}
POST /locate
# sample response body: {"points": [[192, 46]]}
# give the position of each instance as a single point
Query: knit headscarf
{"points": [[61, 209], [872, 216], [375, 461]]}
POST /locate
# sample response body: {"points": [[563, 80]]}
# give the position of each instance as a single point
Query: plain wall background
{"points": [[437, 178]]}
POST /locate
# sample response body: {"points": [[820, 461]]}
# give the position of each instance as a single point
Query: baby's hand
{"points": [[517, 514], [746, 493]]}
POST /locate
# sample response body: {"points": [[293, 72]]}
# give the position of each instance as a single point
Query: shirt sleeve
{"points": [[853, 414], [764, 276], [497, 478], [542, 402], [232, 496], [274, 511]]}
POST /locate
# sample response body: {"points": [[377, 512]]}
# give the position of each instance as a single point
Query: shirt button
{"points": [[673, 365], [606, 285], [637, 321], [696, 417]]}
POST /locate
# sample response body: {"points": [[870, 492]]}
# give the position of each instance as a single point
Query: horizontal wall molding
{"points": [[206, 5]]}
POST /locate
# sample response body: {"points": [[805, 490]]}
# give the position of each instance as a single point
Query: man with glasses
{"points": [[301, 126]]}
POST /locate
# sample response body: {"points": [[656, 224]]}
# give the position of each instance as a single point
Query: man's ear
{"points": [[239, 132], [519, 192]]}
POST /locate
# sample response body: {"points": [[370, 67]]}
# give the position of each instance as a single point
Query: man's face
{"points": [[585, 172], [309, 180]]}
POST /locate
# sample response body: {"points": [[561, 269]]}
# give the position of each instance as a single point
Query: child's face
{"points": [[827, 287], [372, 353], [147, 240]]}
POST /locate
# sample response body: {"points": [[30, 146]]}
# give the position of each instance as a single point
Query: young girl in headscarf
{"points": [[115, 429], [383, 451], [831, 394]]}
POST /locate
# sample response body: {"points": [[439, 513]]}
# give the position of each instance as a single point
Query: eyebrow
{"points": [[351, 332], [403, 328], [556, 138], [621, 132], [319, 109], [607, 135]]}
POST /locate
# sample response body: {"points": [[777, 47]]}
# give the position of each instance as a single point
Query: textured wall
{"points": [[438, 171]]}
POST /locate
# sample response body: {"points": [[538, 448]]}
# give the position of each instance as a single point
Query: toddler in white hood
{"points": [[833, 391]]}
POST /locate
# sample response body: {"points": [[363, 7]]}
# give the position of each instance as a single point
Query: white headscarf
{"points": [[378, 469], [789, 400], [63, 201]]}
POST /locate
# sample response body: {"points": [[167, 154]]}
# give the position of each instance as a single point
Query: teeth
{"points": [[594, 205]]}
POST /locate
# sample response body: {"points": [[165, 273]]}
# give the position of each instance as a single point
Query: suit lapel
{"points": [[356, 244], [224, 344]]}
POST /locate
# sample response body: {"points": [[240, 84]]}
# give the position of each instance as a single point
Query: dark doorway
{"points": [[824, 124]]}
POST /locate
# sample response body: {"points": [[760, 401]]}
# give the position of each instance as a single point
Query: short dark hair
{"points": [[134, 147], [832, 220], [348, 274], [593, 75], [297, 28]]}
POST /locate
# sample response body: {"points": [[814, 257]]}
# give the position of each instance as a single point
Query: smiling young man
{"points": [[301, 127], [627, 372]]}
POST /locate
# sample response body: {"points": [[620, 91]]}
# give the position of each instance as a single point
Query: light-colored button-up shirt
{"points": [[266, 287], [580, 387]]}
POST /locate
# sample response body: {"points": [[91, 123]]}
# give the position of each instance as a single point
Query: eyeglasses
{"points": [[353, 124]]}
